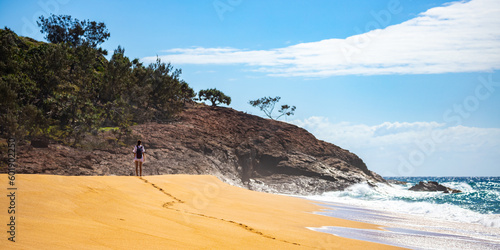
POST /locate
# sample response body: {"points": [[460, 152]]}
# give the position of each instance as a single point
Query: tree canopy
{"points": [[64, 29], [66, 90], [215, 96], [267, 105]]}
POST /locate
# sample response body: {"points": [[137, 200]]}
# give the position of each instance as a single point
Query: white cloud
{"points": [[361, 136], [388, 128], [458, 37], [423, 144]]}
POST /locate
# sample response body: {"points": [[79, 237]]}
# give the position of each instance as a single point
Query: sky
{"points": [[412, 87]]}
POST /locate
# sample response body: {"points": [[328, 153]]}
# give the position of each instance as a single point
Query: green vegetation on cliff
{"points": [[215, 96], [63, 91]]}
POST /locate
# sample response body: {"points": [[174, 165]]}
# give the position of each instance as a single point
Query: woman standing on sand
{"points": [[139, 153]]}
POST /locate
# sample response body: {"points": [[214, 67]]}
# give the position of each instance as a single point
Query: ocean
{"points": [[420, 220]]}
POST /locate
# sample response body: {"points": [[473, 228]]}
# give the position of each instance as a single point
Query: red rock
{"points": [[238, 148]]}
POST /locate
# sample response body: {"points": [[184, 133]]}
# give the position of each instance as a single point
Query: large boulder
{"points": [[432, 186]]}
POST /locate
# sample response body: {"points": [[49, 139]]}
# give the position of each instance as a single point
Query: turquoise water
{"points": [[479, 194], [478, 203], [419, 220]]}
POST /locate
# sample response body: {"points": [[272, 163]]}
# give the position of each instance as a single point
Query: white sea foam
{"points": [[464, 187], [399, 199]]}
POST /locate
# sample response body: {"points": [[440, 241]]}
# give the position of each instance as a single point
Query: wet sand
{"points": [[411, 231], [159, 212]]}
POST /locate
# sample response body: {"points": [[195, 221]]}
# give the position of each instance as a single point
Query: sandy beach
{"points": [[159, 212]]}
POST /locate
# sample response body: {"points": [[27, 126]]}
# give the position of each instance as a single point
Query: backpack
{"points": [[139, 152]]}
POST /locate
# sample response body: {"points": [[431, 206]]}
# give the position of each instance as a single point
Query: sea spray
{"points": [[478, 203]]}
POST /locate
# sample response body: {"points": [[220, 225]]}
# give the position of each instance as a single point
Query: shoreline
{"points": [[181, 211], [407, 230]]}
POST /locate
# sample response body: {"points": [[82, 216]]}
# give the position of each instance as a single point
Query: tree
{"points": [[186, 92], [65, 91], [286, 110], [64, 29], [214, 96], [165, 88], [267, 105]]}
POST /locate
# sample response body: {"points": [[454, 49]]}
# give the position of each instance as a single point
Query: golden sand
{"points": [[162, 212]]}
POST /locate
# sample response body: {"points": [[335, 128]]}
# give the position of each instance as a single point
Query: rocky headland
{"points": [[238, 148]]}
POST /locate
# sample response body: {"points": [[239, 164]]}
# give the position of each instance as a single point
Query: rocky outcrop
{"points": [[396, 182], [241, 149], [433, 186]]}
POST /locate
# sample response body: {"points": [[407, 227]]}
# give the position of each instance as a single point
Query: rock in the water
{"points": [[396, 182], [432, 186]]}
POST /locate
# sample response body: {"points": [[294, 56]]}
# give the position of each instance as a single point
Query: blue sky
{"points": [[412, 87]]}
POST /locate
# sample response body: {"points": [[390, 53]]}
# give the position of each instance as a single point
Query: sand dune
{"points": [[162, 212]]}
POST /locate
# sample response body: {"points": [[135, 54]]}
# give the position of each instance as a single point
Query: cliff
{"points": [[238, 148]]}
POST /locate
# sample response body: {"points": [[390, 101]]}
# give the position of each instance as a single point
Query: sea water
{"points": [[420, 220]]}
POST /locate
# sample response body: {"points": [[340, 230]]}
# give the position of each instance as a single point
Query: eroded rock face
{"points": [[238, 148], [433, 186]]}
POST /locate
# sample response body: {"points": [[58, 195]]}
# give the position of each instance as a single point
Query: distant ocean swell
{"points": [[478, 203]]}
